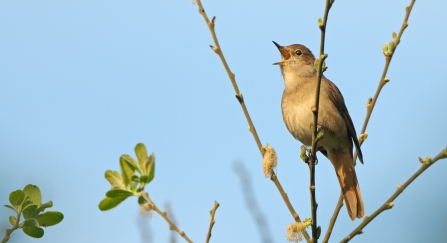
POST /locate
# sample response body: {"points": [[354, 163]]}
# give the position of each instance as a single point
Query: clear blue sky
{"points": [[82, 82]]}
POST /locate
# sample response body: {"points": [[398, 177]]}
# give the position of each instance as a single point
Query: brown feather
{"points": [[342, 162], [337, 99]]}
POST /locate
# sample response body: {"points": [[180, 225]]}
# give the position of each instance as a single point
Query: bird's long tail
{"points": [[347, 178]]}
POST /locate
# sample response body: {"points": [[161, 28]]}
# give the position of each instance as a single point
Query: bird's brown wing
{"points": [[337, 99]]}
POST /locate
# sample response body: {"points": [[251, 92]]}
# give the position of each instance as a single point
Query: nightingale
{"points": [[300, 81]]}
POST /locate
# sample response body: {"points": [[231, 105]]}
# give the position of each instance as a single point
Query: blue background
{"points": [[82, 82]]}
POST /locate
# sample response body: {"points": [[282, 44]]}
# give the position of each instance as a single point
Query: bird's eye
{"points": [[298, 52]]}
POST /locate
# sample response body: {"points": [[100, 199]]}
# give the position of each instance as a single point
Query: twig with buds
{"points": [[388, 51], [426, 163], [322, 24], [217, 49], [151, 206], [212, 213]]}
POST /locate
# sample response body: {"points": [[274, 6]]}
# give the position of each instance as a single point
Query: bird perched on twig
{"points": [[300, 75]]}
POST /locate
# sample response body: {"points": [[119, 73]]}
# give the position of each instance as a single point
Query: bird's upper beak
{"points": [[284, 54]]}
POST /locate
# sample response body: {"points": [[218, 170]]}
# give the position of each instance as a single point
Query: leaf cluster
{"points": [[28, 202], [134, 176]]}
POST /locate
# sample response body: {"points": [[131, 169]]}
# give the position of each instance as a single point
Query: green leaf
{"points": [[136, 179], [12, 220], [318, 232], [8, 206], [141, 200], [151, 168], [132, 162], [115, 179], [109, 203], [144, 179], [133, 187], [26, 204], [127, 171], [141, 152], [49, 218], [16, 198], [30, 211], [33, 193], [48, 204], [119, 193], [30, 222], [31, 228]]}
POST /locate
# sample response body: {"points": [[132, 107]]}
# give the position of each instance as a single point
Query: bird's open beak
{"points": [[284, 54]]}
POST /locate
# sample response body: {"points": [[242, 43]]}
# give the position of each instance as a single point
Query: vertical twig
{"points": [[372, 102], [315, 109], [231, 75], [212, 213], [217, 49]]}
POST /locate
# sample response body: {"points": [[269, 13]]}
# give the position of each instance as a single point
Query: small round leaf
{"points": [[16, 198], [35, 232], [12, 220], [30, 211], [30, 223], [49, 218], [33, 193]]}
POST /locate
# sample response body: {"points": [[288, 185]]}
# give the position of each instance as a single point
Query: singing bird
{"points": [[298, 70]]}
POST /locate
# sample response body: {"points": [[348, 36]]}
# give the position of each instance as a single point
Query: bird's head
{"points": [[296, 59]]}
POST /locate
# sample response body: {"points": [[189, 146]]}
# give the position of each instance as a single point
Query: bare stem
{"points": [[9, 231], [212, 212], [315, 108], [217, 49], [284, 196], [172, 226], [389, 203], [371, 104], [333, 219]]}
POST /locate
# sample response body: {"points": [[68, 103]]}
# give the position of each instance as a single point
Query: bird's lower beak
{"points": [[284, 54]]}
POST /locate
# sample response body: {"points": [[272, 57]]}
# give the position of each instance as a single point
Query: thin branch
{"points": [[426, 163], [172, 236], [172, 226], [372, 102], [315, 109], [231, 75], [212, 212], [388, 56], [217, 49], [284, 196], [333, 219], [14, 227]]}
